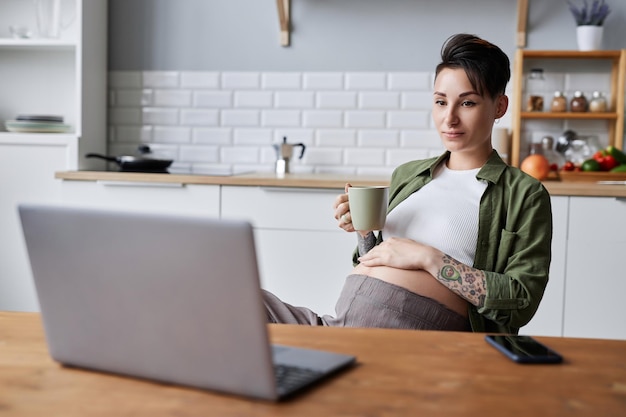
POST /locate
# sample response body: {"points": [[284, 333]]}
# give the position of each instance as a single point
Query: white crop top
{"points": [[442, 214]]}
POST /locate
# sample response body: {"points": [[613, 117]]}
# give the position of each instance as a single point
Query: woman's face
{"points": [[464, 119]]}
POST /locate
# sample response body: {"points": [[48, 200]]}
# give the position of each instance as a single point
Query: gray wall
{"points": [[328, 35]]}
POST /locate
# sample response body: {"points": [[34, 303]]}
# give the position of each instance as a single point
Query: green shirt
{"points": [[513, 248]]}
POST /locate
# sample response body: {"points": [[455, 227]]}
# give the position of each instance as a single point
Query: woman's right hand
{"points": [[342, 210]]}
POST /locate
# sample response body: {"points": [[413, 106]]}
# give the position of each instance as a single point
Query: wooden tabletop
{"points": [[399, 373]]}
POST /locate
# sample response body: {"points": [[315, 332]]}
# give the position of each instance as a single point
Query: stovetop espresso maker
{"points": [[284, 153]]}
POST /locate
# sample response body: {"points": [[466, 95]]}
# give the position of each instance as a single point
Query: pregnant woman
{"points": [[466, 245]]}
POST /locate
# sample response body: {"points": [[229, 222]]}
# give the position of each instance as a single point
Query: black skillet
{"points": [[136, 163]]}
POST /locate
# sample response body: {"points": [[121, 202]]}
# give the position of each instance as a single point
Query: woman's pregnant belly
{"points": [[417, 281]]}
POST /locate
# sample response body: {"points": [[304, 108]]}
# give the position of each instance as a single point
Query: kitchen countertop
{"points": [[333, 181]]}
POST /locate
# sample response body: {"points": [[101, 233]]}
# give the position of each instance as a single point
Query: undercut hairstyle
{"points": [[486, 66]]}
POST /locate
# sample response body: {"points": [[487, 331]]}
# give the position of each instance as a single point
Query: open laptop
{"points": [[170, 298]]}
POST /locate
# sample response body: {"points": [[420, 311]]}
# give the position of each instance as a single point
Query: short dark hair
{"points": [[487, 67]]}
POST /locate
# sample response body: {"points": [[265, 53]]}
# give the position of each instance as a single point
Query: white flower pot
{"points": [[589, 37]]}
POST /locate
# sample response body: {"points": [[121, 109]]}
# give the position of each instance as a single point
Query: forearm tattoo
{"points": [[366, 243], [464, 280]]}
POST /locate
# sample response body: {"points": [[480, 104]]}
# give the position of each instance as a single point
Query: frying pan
{"points": [[135, 163]]}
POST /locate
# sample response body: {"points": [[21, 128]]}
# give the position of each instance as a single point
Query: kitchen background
{"points": [[207, 83]]}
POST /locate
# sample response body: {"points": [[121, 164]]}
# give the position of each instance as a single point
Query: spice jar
{"points": [[597, 103], [579, 103], [559, 103], [534, 86]]}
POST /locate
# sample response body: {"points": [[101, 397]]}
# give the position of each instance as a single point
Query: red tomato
{"points": [[608, 163], [569, 166]]}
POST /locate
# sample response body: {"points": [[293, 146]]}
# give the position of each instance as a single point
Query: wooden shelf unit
{"points": [[614, 117]]}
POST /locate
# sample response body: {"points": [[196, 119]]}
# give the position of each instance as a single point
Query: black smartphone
{"points": [[523, 349]]}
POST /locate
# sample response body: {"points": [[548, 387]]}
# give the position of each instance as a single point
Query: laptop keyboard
{"points": [[292, 378]]}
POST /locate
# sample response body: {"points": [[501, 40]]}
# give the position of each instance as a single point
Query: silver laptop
{"points": [[162, 297]]}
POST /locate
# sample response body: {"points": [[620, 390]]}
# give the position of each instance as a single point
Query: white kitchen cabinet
{"points": [[174, 198], [594, 294], [548, 321], [67, 77], [304, 257], [25, 176]]}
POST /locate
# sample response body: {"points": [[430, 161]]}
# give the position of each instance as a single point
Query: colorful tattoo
{"points": [[449, 273], [466, 281]]}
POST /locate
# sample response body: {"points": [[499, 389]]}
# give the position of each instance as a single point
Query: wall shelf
{"points": [[614, 117]]}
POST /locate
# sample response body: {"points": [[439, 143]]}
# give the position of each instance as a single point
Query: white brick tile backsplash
{"points": [[241, 80], [199, 117], [253, 99], [365, 118], [365, 157], [212, 136], [323, 156], [408, 119], [396, 157], [172, 98], [294, 135], [281, 81], [198, 153], [161, 79], [363, 123], [379, 100], [252, 137], [381, 138], [282, 118], [409, 81], [240, 118], [216, 99], [171, 134], [418, 100], [366, 81], [160, 116], [323, 81], [322, 118], [295, 99], [199, 79], [336, 100], [240, 155], [420, 139], [336, 138]]}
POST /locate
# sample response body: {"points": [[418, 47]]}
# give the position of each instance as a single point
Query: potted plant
{"points": [[589, 21]]}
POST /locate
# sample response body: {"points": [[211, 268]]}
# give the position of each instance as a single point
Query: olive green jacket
{"points": [[514, 239]]}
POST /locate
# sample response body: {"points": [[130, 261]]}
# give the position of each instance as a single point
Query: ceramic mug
{"points": [[368, 207]]}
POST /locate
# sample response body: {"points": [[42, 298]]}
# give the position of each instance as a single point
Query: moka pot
{"points": [[284, 153]]}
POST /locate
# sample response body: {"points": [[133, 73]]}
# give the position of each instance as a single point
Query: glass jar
{"points": [[579, 103], [559, 102], [556, 159], [534, 88], [597, 103]]}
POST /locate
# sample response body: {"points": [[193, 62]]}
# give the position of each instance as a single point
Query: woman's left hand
{"points": [[400, 253]]}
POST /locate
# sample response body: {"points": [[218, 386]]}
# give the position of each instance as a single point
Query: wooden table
{"points": [[399, 373]]}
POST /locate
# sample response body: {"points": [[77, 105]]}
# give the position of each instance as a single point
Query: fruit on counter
{"points": [[619, 168], [619, 156], [591, 165], [607, 162], [568, 166], [536, 166]]}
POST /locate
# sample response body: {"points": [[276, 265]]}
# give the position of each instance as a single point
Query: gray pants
{"points": [[370, 302]]}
